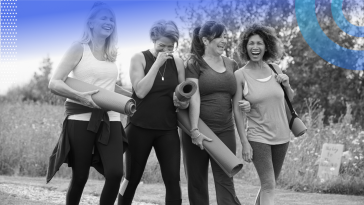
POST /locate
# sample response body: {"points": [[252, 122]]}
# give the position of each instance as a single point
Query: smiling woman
{"points": [[89, 131], [214, 75], [266, 140], [154, 74], [101, 23]]}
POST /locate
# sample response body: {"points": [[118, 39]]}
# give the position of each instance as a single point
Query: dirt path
{"points": [[34, 191]]}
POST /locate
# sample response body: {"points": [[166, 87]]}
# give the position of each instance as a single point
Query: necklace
{"points": [[165, 64]]}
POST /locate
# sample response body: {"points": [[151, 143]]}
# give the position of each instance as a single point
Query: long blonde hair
{"points": [[111, 41]]}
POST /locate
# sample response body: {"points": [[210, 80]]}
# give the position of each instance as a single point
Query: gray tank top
{"points": [[267, 120]]}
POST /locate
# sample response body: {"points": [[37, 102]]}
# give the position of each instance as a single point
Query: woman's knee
{"points": [[268, 185], [114, 175], [79, 179]]}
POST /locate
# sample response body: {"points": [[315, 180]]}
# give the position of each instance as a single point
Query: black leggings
{"points": [[82, 143], [167, 148], [196, 163]]}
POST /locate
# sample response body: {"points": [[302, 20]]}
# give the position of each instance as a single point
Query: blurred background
{"points": [[329, 99]]}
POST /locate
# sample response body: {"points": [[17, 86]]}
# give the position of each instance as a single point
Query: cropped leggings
{"points": [[167, 148], [196, 163], [82, 143], [268, 161]]}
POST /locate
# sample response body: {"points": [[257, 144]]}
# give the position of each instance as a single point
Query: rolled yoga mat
{"points": [[105, 99], [122, 91], [216, 148], [185, 90]]}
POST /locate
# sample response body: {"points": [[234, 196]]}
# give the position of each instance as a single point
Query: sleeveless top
{"points": [[156, 110], [100, 73], [267, 120], [216, 91]]}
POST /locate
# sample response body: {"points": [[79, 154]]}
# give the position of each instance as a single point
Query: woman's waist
{"points": [[76, 111], [113, 116], [160, 121], [267, 126]]}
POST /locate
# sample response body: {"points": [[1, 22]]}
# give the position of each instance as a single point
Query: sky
{"points": [[48, 28], [34, 29]]}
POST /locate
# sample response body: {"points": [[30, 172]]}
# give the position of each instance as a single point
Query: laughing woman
{"points": [[154, 74], [90, 60], [214, 75], [266, 141]]}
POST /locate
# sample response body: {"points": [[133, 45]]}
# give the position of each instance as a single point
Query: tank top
{"points": [[100, 73], [267, 120], [156, 110]]}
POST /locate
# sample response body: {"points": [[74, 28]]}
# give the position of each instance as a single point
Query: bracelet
{"points": [[199, 134], [193, 129]]}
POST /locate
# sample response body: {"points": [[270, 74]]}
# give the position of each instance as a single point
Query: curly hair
{"points": [[272, 43]]}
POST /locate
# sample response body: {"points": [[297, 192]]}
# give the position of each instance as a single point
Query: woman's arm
{"points": [[181, 78], [239, 116], [194, 114], [284, 79], [180, 69], [143, 83], [68, 63]]}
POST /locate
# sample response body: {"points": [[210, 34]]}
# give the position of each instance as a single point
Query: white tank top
{"points": [[99, 73]]}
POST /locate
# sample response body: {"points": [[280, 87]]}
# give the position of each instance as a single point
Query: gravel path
{"points": [[35, 193]]}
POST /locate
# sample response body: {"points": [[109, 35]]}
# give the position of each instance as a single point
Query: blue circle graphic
{"points": [[341, 21], [320, 43]]}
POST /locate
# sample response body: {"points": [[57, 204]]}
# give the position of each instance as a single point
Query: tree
{"points": [[37, 89], [310, 75]]}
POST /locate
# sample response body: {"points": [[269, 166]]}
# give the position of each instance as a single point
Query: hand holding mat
{"points": [[105, 99], [216, 148]]}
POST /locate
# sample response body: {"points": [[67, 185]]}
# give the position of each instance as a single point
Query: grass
{"points": [[29, 131]]}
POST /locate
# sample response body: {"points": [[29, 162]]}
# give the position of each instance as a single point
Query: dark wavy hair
{"points": [[272, 43], [209, 30]]}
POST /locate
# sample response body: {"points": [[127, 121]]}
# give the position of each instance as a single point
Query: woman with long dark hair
{"points": [[214, 75]]}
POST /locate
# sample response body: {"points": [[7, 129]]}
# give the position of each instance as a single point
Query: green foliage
{"points": [[37, 89], [29, 132], [299, 171], [310, 76], [301, 164]]}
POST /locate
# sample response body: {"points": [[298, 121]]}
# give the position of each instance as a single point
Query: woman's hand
{"points": [[244, 106], [86, 99], [180, 104], [162, 58], [198, 138], [247, 152], [283, 78]]}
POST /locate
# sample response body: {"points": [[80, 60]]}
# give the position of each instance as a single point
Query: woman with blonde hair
{"points": [[89, 131]]}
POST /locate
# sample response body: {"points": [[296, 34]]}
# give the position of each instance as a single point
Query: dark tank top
{"points": [[156, 110]]}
